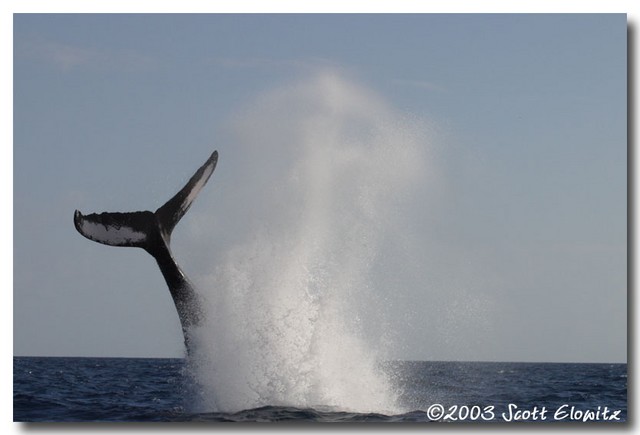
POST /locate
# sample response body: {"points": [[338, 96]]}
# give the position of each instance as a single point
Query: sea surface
{"points": [[49, 389]]}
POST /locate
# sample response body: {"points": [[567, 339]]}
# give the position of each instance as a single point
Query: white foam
{"points": [[286, 297]]}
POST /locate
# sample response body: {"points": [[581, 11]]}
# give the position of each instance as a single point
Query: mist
{"points": [[295, 314]]}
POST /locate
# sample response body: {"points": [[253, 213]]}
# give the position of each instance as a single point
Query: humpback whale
{"points": [[151, 231]]}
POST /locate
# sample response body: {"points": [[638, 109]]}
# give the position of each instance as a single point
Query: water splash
{"points": [[320, 168]]}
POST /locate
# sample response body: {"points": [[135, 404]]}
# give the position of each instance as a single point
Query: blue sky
{"points": [[514, 243]]}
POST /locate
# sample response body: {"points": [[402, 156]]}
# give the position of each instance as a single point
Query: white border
{"points": [[9, 7]]}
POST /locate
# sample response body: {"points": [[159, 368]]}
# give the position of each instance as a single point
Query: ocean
{"points": [[60, 389]]}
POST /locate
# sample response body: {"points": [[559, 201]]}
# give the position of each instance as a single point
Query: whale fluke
{"points": [[152, 232], [170, 213], [135, 228], [116, 229]]}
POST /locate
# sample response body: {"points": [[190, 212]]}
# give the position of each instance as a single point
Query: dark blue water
{"points": [[136, 389]]}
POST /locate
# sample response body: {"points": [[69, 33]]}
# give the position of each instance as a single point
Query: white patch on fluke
{"points": [[200, 184], [111, 234]]}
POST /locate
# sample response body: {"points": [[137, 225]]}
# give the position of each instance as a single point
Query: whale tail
{"points": [[152, 232], [145, 229]]}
